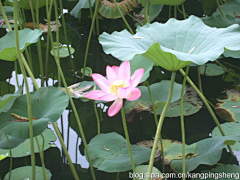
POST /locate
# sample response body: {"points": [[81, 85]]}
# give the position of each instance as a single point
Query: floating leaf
{"points": [[63, 51], [208, 152], [230, 129], [80, 5], [191, 104], [109, 10], [47, 103], [7, 100], [7, 43], [211, 69], [229, 109], [160, 93], [88, 71], [24, 149], [178, 44], [3, 156], [25, 173], [223, 172], [142, 171], [109, 153]]}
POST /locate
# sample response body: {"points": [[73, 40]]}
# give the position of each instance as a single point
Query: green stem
{"points": [[16, 73], [19, 55], [97, 116], [125, 21], [183, 12], [135, 19], [42, 158], [75, 175], [75, 112], [66, 37], [89, 37], [127, 138], [5, 17], [156, 121], [11, 159], [182, 124], [207, 105], [220, 9], [91, 14], [175, 11], [199, 79], [170, 12], [160, 123], [146, 11]]}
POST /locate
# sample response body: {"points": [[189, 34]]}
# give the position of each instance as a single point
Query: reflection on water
{"points": [[74, 140]]}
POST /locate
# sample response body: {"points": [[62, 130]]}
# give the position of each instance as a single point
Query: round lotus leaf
{"points": [[7, 43], [228, 109], [24, 149], [4, 141], [109, 153], [25, 173], [142, 170], [229, 128], [173, 45], [63, 51], [211, 69], [223, 172], [3, 156], [47, 104], [167, 2], [191, 104], [208, 152], [109, 10]]}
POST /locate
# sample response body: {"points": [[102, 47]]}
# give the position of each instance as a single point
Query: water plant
{"points": [[121, 76]]}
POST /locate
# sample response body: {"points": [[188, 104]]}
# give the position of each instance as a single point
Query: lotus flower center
{"points": [[115, 85]]}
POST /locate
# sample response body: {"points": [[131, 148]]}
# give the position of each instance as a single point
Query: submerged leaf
{"points": [[173, 45], [109, 153], [211, 69], [229, 109]]}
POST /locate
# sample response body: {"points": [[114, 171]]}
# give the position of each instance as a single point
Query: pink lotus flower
{"points": [[117, 86]]}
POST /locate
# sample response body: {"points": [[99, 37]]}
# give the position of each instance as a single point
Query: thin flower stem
{"points": [[146, 11], [160, 123], [156, 121], [90, 36], [220, 9], [74, 172], [135, 19], [97, 117], [199, 79], [170, 12], [11, 159], [127, 138], [207, 106], [175, 11], [125, 21], [183, 12], [182, 124], [16, 73], [41, 151], [19, 55]]}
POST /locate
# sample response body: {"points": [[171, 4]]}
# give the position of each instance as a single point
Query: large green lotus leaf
{"points": [[80, 5], [191, 104], [229, 128], [142, 171], [167, 2], [25, 4], [211, 69], [140, 61], [24, 149], [13, 141], [218, 21], [229, 109], [7, 43], [47, 103], [108, 8], [223, 172], [25, 173], [174, 44], [3, 156], [109, 153], [159, 92], [208, 152], [7, 100]]}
